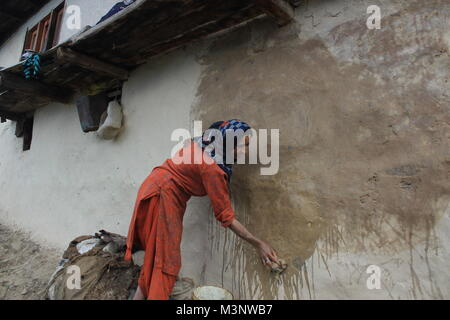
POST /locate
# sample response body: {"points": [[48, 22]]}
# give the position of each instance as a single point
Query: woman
{"points": [[156, 225]]}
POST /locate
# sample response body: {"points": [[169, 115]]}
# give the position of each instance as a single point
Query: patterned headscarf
{"points": [[223, 127]]}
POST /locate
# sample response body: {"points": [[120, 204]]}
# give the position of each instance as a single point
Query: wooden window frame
{"points": [[58, 16], [46, 33], [27, 133], [43, 32]]}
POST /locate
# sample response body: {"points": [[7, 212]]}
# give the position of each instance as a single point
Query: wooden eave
{"points": [[103, 55]]}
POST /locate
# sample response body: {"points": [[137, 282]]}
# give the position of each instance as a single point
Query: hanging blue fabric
{"points": [[116, 8], [32, 65]]}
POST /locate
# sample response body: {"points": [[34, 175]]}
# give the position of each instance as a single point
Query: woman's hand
{"points": [[267, 254]]}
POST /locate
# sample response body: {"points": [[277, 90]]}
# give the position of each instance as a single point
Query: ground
{"points": [[25, 266]]}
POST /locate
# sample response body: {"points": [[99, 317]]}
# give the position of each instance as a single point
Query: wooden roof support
{"points": [[87, 62], [281, 10], [34, 87], [10, 115], [19, 127], [145, 29]]}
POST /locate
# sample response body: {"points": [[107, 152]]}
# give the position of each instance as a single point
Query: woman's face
{"points": [[242, 148]]}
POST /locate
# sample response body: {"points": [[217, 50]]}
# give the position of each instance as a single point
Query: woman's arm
{"points": [[266, 252], [216, 186]]}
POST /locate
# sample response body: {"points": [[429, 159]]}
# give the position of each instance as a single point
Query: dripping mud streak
{"points": [[348, 183]]}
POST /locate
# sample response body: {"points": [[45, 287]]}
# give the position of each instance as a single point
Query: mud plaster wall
{"points": [[364, 119], [364, 170]]}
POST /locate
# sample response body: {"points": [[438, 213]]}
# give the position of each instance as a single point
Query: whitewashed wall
{"points": [[72, 183], [91, 12]]}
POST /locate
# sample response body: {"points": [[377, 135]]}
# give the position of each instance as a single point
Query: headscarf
{"points": [[224, 127]]}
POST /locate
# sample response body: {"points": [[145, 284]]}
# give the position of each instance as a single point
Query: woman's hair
{"points": [[223, 127], [234, 125]]}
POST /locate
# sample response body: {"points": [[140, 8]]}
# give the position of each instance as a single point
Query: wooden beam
{"points": [[11, 115], [87, 62], [27, 133], [34, 87], [281, 10], [19, 127]]}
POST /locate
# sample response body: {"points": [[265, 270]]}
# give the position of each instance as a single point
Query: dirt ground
{"points": [[25, 266]]}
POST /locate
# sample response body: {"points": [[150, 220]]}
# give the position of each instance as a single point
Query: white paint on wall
{"points": [[72, 183]]}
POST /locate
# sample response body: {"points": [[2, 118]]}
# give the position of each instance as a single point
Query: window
{"points": [[45, 34], [59, 19]]}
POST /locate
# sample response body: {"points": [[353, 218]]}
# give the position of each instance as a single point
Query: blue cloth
{"points": [[223, 127], [115, 9]]}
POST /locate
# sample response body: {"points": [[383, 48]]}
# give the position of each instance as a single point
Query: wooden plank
{"points": [[27, 133], [281, 10], [222, 23], [18, 102], [47, 44], [87, 62], [109, 51], [147, 27], [90, 110], [58, 14], [10, 115], [25, 43], [34, 87], [39, 37], [19, 127]]}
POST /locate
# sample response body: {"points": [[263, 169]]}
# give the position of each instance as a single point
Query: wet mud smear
{"points": [[364, 151]]}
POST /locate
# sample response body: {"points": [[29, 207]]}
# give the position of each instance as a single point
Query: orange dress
{"points": [[157, 222]]}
